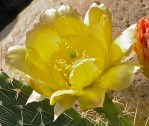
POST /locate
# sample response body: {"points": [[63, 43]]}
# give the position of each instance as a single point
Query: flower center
{"points": [[72, 54], [69, 53]]}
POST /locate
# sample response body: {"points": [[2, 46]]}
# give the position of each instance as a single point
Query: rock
{"points": [[125, 13]]}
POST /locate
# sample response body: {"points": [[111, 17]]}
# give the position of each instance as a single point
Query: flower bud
{"points": [[141, 45]]}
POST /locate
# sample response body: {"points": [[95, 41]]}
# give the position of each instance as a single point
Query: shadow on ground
{"points": [[9, 10]]}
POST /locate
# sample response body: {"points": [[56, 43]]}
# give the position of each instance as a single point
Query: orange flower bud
{"points": [[141, 45]]}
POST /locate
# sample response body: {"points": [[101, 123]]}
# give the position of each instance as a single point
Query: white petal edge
{"points": [[50, 15], [126, 39], [62, 106], [35, 97], [136, 69]]}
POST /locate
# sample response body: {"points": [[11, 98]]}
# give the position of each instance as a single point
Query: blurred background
{"points": [[9, 10]]}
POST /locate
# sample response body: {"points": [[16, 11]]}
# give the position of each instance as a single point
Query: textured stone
{"points": [[125, 13]]}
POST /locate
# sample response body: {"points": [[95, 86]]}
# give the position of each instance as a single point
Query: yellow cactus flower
{"points": [[69, 60], [141, 44]]}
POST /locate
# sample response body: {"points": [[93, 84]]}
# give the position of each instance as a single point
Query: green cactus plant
{"points": [[115, 116]]}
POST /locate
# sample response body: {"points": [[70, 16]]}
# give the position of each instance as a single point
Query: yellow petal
{"points": [[40, 70], [117, 77], [92, 98], [62, 94], [93, 16], [63, 105], [83, 73], [100, 35], [107, 29], [99, 20], [115, 54], [107, 11], [39, 86], [66, 25], [95, 13], [43, 40], [16, 58]]}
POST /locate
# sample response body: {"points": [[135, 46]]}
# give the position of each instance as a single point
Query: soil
{"points": [[135, 99]]}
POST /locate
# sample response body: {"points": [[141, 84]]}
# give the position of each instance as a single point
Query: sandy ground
{"points": [[125, 12]]}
